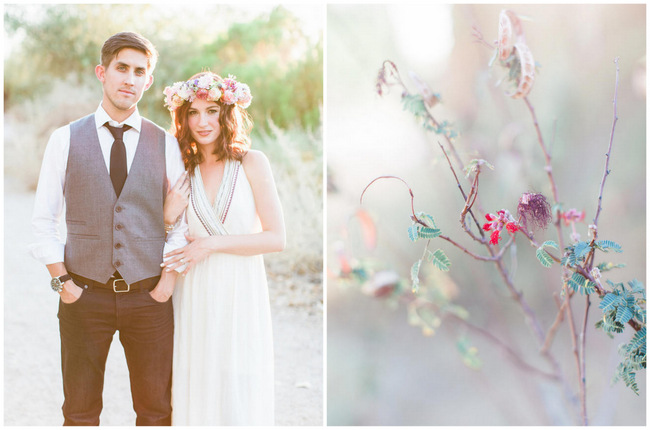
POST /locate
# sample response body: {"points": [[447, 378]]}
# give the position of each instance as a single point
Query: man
{"points": [[111, 169]]}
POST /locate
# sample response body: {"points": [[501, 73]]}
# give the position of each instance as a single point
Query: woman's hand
{"points": [[176, 199], [195, 251]]}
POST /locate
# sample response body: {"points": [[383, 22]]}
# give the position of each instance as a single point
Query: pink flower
{"points": [[572, 215], [202, 93], [228, 97]]}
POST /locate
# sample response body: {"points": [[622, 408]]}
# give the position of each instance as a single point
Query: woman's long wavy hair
{"points": [[233, 141]]}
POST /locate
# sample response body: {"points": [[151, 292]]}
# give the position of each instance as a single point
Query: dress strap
{"points": [[213, 217]]}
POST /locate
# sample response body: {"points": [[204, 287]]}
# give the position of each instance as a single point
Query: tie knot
{"points": [[117, 132]]}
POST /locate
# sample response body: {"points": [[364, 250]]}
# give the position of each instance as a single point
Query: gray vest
{"points": [[105, 233]]}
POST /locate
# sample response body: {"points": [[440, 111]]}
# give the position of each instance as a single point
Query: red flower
{"points": [[512, 227], [497, 222], [495, 237]]}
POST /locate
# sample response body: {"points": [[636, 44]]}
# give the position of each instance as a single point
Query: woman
{"points": [[223, 348]]}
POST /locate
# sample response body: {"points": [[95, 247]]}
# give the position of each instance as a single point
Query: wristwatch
{"points": [[57, 283]]}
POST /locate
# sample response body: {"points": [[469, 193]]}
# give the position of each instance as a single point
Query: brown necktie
{"points": [[118, 158]]}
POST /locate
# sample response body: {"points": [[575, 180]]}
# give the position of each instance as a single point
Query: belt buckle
{"points": [[115, 281]]}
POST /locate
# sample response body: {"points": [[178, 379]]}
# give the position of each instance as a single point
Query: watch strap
{"points": [[65, 277]]}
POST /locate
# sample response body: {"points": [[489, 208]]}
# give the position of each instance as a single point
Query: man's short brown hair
{"points": [[128, 39]]}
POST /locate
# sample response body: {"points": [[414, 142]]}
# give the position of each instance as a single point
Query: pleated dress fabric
{"points": [[223, 344]]}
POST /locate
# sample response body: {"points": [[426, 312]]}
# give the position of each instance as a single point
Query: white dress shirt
{"points": [[49, 202]]}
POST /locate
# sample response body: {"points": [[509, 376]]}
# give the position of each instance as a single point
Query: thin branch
{"points": [[479, 257], [583, 379], [460, 187], [609, 151], [516, 359], [478, 36], [556, 325], [415, 218]]}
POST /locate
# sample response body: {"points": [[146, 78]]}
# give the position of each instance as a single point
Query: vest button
{"points": [[118, 264], [118, 209], [118, 245], [118, 227]]}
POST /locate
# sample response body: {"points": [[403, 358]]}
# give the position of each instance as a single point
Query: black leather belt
{"points": [[117, 285]]}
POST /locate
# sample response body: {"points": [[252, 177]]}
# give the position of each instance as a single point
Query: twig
{"points": [[609, 150], [460, 187], [583, 379], [516, 359], [572, 326], [556, 324], [479, 257], [415, 218], [480, 39]]}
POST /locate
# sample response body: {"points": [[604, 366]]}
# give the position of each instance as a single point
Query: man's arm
{"points": [[49, 201], [48, 209]]}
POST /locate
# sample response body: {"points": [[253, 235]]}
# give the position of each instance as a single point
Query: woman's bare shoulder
{"points": [[255, 160]]}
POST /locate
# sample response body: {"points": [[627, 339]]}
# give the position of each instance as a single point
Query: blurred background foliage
{"points": [[51, 51], [270, 52], [382, 370]]}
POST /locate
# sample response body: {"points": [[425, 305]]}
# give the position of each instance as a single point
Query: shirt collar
{"points": [[101, 117]]}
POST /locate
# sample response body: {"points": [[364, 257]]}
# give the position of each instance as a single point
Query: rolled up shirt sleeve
{"points": [[49, 246]]}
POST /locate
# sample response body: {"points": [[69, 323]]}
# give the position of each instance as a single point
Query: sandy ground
{"points": [[33, 392]]}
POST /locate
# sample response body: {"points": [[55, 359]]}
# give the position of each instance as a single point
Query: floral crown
{"points": [[207, 87]]}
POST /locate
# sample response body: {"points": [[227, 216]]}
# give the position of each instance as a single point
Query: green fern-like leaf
{"points": [[623, 314], [415, 279], [414, 103], [427, 233], [606, 245], [413, 232], [581, 249], [637, 287], [638, 342], [426, 218], [634, 359], [550, 243], [610, 302], [468, 353], [604, 267], [472, 165], [439, 259], [580, 284], [543, 257]]}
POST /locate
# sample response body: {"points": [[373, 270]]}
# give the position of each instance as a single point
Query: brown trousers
{"points": [[146, 331]]}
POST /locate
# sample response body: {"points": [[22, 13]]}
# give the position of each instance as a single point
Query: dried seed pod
{"points": [[510, 33], [527, 72]]}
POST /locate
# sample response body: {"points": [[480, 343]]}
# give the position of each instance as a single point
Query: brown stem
{"points": [[516, 359], [460, 187], [572, 326], [583, 379], [415, 218], [479, 257], [555, 327], [609, 151]]}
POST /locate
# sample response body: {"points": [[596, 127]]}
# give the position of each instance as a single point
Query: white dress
{"points": [[223, 344]]}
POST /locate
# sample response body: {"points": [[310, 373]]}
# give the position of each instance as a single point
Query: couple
{"points": [[200, 342]]}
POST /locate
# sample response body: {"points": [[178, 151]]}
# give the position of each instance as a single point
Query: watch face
{"points": [[56, 285]]}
